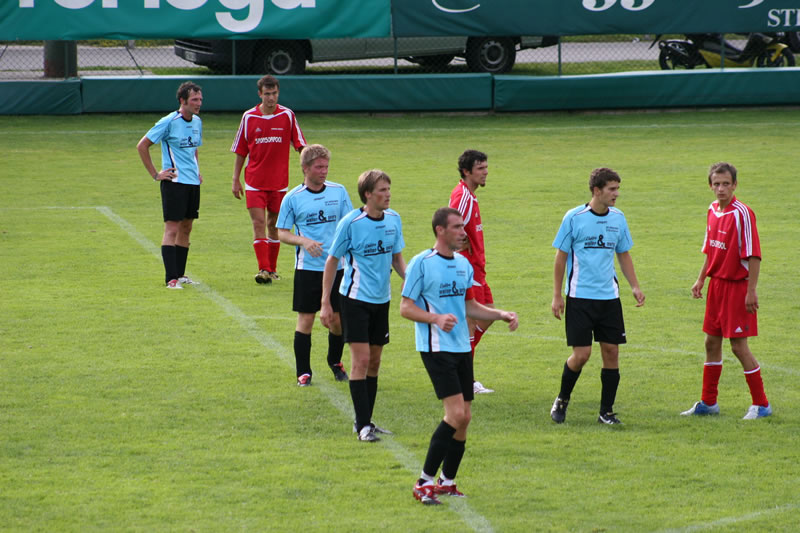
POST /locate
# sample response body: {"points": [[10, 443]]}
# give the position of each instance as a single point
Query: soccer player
{"points": [[314, 208], [733, 262], [438, 295], [265, 134], [589, 237], [180, 133], [370, 239], [473, 167]]}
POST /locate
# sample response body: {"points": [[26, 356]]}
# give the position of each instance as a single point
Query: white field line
{"points": [[735, 519], [339, 400], [571, 127]]}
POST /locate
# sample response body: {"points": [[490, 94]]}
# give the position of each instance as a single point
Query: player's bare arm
{"points": [[479, 311], [311, 246], [751, 299], [559, 267], [143, 147], [238, 164], [626, 265], [197, 158], [697, 288], [410, 310], [399, 264], [328, 275]]}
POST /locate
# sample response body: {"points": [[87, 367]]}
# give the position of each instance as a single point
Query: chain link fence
{"points": [[539, 56]]}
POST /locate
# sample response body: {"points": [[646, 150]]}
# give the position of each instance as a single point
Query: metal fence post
{"points": [[559, 55], [722, 53]]}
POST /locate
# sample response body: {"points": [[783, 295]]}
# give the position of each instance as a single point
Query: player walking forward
{"points": [[370, 239], [438, 294], [589, 237], [473, 167], [314, 208], [180, 133], [264, 136], [733, 262]]}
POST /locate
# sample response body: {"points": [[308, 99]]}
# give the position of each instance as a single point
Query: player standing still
{"points": [[473, 166], [438, 295], [589, 237], [265, 134], [733, 262], [314, 208], [180, 133], [371, 241]]}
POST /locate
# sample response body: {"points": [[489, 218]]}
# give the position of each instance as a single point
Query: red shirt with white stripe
{"points": [[266, 139], [466, 203], [731, 238]]}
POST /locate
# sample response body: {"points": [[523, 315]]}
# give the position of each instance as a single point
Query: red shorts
{"points": [[726, 315], [482, 292], [269, 200]]}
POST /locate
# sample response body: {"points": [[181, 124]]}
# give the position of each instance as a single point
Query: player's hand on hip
{"points": [[166, 175], [446, 322], [557, 307]]}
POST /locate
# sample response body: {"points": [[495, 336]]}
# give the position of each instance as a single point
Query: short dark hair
{"points": [[468, 159], [601, 176], [269, 81], [441, 215], [186, 89], [367, 181], [718, 168]]}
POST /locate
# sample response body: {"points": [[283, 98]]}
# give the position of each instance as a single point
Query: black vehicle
{"points": [[482, 54], [706, 49]]}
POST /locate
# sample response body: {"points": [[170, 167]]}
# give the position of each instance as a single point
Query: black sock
{"points": [[568, 379], [453, 458], [609, 377], [302, 353], [181, 254], [170, 267], [437, 450], [372, 391], [360, 397], [335, 348]]}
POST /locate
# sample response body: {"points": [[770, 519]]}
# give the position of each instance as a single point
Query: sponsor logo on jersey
{"points": [[265, 140], [450, 290], [717, 244]]}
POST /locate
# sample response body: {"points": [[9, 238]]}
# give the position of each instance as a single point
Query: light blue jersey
{"points": [[367, 246], [314, 215], [591, 240], [179, 141], [439, 285]]}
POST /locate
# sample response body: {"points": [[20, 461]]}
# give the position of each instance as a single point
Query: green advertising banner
{"points": [[589, 17], [139, 19]]}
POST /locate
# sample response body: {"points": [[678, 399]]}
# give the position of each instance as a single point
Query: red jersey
{"points": [[266, 139], [731, 238], [467, 204]]}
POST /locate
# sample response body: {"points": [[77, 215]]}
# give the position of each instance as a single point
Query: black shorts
{"points": [[364, 321], [179, 201], [601, 317], [308, 291], [450, 373]]}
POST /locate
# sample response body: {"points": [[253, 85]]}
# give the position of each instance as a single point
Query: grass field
{"points": [[124, 406]]}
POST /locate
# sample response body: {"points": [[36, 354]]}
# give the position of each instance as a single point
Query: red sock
{"points": [[274, 248], [756, 385], [711, 373], [261, 248]]}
